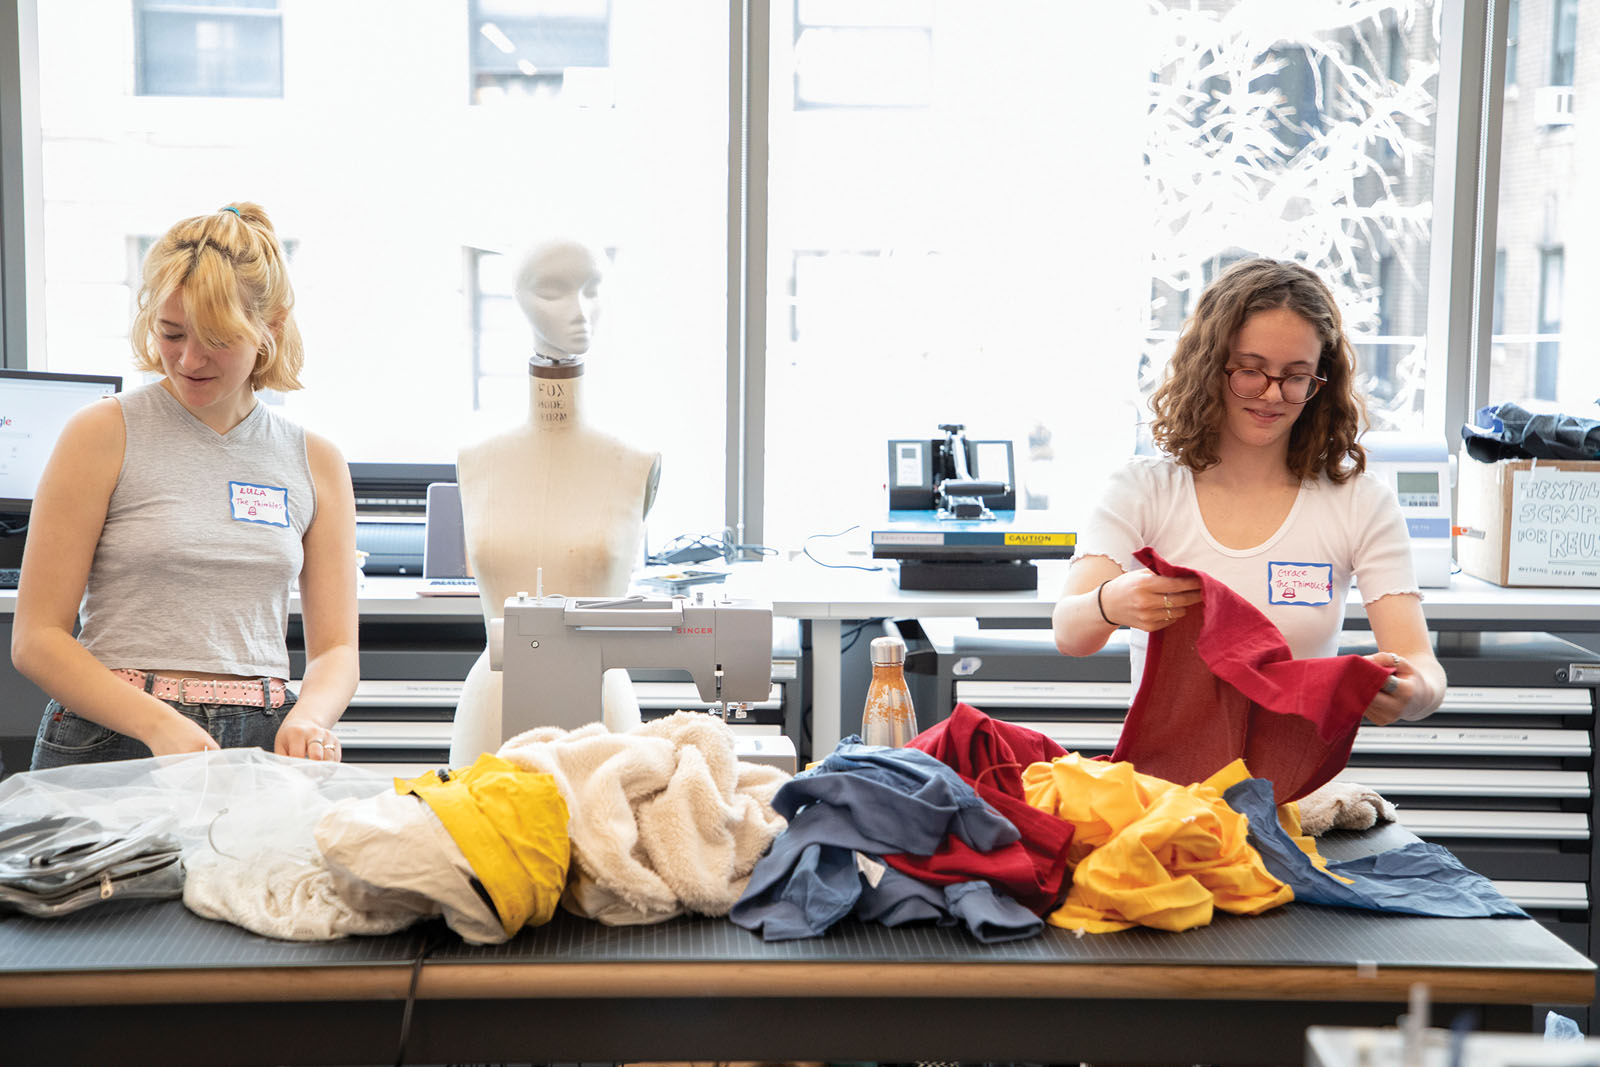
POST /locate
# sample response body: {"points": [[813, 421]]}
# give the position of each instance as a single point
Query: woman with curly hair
{"points": [[1257, 420]]}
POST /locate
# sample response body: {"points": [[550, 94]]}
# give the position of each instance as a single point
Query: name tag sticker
{"points": [[1310, 584], [266, 504]]}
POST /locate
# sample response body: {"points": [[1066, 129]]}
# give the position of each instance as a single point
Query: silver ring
{"points": [[1394, 660], [1390, 684], [317, 741]]}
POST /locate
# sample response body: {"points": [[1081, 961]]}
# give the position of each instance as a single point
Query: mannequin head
{"points": [[557, 286]]}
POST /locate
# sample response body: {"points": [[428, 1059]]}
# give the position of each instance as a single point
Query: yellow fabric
{"points": [[1289, 819], [1148, 851], [511, 825]]}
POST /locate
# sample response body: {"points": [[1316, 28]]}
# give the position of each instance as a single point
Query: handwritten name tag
{"points": [[1310, 584], [266, 504]]}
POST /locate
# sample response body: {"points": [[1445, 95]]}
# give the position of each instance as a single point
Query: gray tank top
{"points": [[201, 543]]}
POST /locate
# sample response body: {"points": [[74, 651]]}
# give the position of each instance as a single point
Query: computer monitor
{"points": [[34, 406]]}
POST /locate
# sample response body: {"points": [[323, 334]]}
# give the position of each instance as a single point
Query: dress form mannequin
{"points": [[552, 497]]}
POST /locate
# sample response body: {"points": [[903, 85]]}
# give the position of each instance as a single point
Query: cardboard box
{"points": [[1529, 522]]}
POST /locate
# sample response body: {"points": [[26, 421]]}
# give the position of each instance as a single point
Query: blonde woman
{"points": [[172, 520]]}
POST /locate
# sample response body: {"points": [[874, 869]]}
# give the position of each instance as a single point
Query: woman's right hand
{"points": [[173, 734], [1147, 601]]}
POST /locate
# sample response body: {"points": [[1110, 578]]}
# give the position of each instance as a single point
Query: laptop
{"points": [[445, 571]]}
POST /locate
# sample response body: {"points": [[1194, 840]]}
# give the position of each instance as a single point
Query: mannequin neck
{"points": [[555, 391]]}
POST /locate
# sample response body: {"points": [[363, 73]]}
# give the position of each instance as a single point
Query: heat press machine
{"points": [[953, 522], [554, 650], [1417, 468]]}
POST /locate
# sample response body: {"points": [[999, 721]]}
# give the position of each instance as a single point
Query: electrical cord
{"points": [[433, 940], [696, 548], [806, 548], [855, 633]]}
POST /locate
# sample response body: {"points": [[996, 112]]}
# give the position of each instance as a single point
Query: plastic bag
{"points": [[238, 800], [54, 866]]}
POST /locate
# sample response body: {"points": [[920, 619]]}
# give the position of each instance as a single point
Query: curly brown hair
{"points": [[1189, 405]]}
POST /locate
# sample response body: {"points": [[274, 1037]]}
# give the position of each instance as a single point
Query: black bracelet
{"points": [[1101, 604]]}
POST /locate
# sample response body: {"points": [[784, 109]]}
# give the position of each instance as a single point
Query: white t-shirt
{"points": [[1299, 577]]}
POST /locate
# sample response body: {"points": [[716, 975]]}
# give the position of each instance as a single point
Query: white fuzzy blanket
{"points": [[664, 818]]}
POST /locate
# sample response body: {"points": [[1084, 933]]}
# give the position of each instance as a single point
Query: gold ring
{"points": [[1169, 614], [1166, 602]]}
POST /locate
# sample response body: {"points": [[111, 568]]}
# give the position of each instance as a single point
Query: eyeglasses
{"points": [[1247, 383]]}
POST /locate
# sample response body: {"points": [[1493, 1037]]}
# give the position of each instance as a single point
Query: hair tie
{"points": [[231, 208], [1101, 604]]}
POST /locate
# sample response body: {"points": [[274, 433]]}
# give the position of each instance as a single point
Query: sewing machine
{"points": [[553, 650]]}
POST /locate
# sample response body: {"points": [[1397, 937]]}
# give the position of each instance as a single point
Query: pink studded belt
{"points": [[245, 692]]}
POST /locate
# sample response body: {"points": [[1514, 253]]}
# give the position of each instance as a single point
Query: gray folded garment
{"points": [[1341, 805], [57, 865]]}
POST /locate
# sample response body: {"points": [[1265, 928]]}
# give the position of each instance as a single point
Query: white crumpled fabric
{"points": [[663, 819], [380, 864]]}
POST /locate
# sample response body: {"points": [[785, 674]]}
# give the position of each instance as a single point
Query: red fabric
{"points": [[990, 755], [1220, 683]]}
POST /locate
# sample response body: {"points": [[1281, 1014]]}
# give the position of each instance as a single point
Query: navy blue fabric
{"points": [[803, 885], [1509, 431], [898, 800], [1418, 878], [989, 917], [875, 801]]}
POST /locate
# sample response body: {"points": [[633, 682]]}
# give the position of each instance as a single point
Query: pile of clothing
{"points": [[860, 807], [626, 828], [1004, 832]]}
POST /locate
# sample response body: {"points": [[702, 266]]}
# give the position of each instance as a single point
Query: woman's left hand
{"points": [[1404, 691], [307, 740]]}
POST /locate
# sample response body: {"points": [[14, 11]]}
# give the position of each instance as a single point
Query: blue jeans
{"points": [[65, 739]]}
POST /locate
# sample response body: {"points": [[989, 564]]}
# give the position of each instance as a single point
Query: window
{"points": [[1563, 41], [208, 48], [501, 339], [1513, 17], [863, 53], [403, 202], [1547, 239], [1018, 254], [531, 48], [1547, 356], [1499, 291]]}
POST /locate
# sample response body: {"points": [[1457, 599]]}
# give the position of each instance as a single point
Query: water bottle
{"points": [[888, 718]]}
